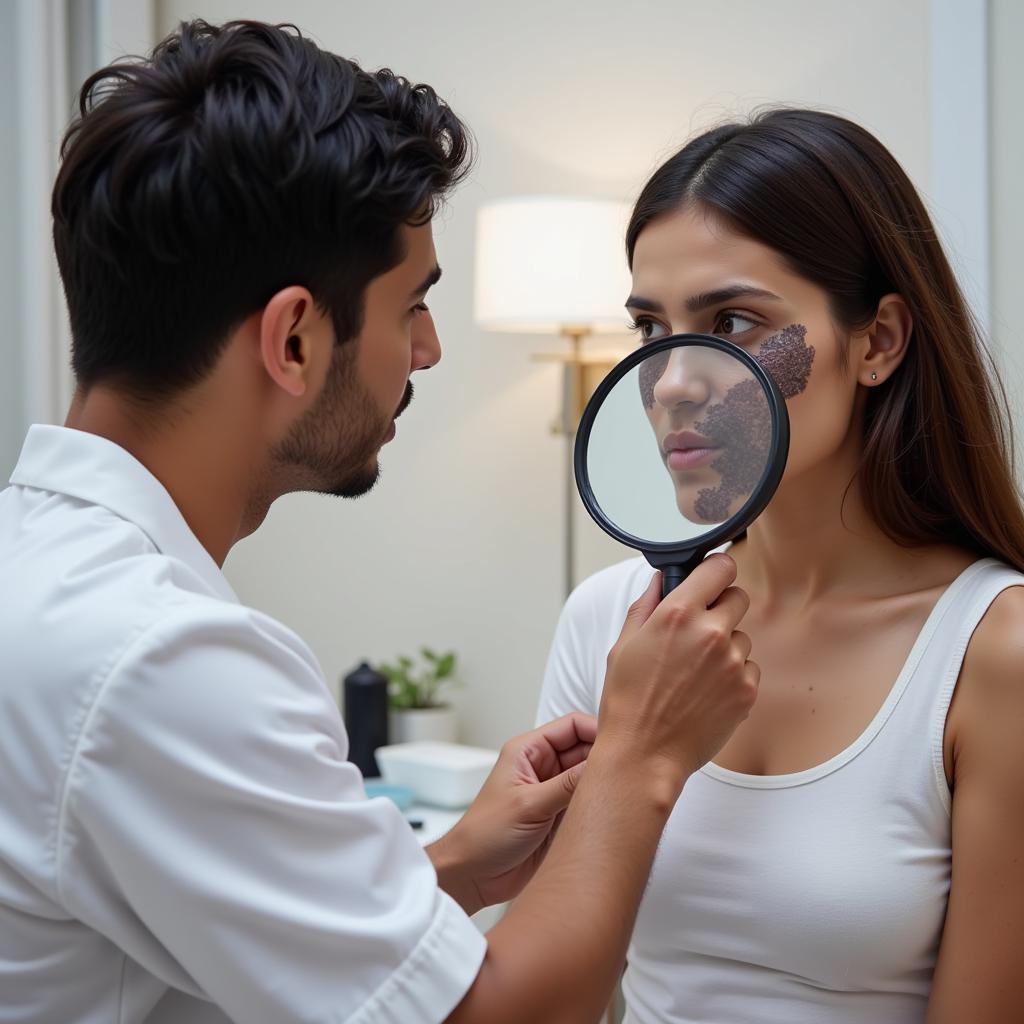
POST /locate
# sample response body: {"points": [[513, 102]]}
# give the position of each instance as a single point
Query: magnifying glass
{"points": [[680, 449]]}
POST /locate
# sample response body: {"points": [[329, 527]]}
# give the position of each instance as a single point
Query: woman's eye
{"points": [[649, 330], [732, 324], [421, 307]]}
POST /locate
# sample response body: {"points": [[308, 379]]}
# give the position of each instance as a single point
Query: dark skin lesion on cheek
{"points": [[741, 423], [787, 359]]}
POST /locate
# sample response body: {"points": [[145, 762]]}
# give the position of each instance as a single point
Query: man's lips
{"points": [[403, 405], [688, 450]]}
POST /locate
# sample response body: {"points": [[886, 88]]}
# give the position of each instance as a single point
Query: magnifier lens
{"points": [[682, 445]]}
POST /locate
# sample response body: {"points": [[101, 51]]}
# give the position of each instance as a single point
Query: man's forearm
{"points": [[556, 954]]}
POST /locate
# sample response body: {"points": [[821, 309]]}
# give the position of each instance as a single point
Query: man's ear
{"points": [[286, 339], [888, 338]]}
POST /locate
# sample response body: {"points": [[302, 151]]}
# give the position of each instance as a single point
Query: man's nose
{"points": [[685, 379], [426, 346]]}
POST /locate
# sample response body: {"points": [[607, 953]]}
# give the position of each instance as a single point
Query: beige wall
{"points": [[1006, 86], [460, 545]]}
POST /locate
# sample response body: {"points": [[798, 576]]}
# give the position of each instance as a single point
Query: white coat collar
{"points": [[93, 469]]}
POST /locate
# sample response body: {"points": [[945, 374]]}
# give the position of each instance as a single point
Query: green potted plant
{"points": [[414, 688]]}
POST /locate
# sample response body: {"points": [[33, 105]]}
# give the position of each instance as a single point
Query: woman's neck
{"points": [[817, 539]]}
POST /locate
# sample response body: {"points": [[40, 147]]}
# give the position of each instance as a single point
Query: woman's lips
{"points": [[687, 450]]}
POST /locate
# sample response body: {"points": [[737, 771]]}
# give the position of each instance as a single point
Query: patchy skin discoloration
{"points": [[741, 423], [787, 359], [651, 371]]}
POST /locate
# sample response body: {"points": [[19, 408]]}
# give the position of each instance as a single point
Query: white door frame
{"points": [[47, 74], [959, 144]]}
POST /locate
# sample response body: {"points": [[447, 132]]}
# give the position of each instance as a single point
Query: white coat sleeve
{"points": [[212, 828]]}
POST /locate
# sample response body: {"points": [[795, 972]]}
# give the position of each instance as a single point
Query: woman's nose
{"points": [[684, 380]]}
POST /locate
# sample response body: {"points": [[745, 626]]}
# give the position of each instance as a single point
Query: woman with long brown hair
{"points": [[853, 854]]}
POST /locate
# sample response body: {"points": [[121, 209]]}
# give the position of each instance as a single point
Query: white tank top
{"points": [[810, 898]]}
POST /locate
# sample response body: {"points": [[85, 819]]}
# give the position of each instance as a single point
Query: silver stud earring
{"points": [[874, 376]]}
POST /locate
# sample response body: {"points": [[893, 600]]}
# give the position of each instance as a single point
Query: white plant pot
{"points": [[412, 725]]}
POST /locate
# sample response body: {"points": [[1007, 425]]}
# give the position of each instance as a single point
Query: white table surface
{"points": [[436, 821]]}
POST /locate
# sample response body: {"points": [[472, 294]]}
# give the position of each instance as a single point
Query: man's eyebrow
{"points": [[428, 282], [696, 303]]}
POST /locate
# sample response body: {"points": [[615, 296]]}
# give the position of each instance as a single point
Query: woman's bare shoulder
{"points": [[990, 692], [995, 655]]}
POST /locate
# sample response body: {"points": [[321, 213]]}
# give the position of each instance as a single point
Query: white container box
{"points": [[442, 774]]}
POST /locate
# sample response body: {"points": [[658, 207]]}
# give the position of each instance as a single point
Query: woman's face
{"points": [[693, 274]]}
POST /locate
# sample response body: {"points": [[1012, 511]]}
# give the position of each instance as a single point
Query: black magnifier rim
{"points": [[759, 497]]}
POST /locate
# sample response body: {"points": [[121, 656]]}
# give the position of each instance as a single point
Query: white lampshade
{"points": [[545, 263]]}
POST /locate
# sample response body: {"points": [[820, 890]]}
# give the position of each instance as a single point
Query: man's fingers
{"points": [[705, 584], [752, 675], [642, 608], [555, 746], [742, 642], [550, 798], [574, 755], [566, 732], [731, 606]]}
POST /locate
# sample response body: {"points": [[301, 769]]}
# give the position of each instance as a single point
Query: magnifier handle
{"points": [[673, 575]]}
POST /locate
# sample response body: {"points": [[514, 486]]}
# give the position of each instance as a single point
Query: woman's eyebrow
{"points": [[638, 302], [696, 303]]}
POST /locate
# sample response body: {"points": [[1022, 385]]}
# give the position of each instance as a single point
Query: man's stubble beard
{"points": [[333, 449]]}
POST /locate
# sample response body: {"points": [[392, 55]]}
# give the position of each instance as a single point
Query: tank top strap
{"points": [[935, 675]]}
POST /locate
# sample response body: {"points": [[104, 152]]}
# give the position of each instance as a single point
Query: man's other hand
{"points": [[500, 841]]}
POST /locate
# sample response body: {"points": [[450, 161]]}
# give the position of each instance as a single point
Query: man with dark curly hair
{"points": [[243, 228]]}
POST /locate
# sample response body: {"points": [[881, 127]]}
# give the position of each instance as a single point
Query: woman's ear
{"points": [[286, 341], [888, 338]]}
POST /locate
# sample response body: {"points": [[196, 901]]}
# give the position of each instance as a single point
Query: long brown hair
{"points": [[834, 203]]}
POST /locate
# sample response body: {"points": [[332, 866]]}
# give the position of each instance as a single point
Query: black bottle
{"points": [[366, 716]]}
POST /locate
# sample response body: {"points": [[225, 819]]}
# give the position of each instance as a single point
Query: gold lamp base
{"points": [[581, 374]]}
